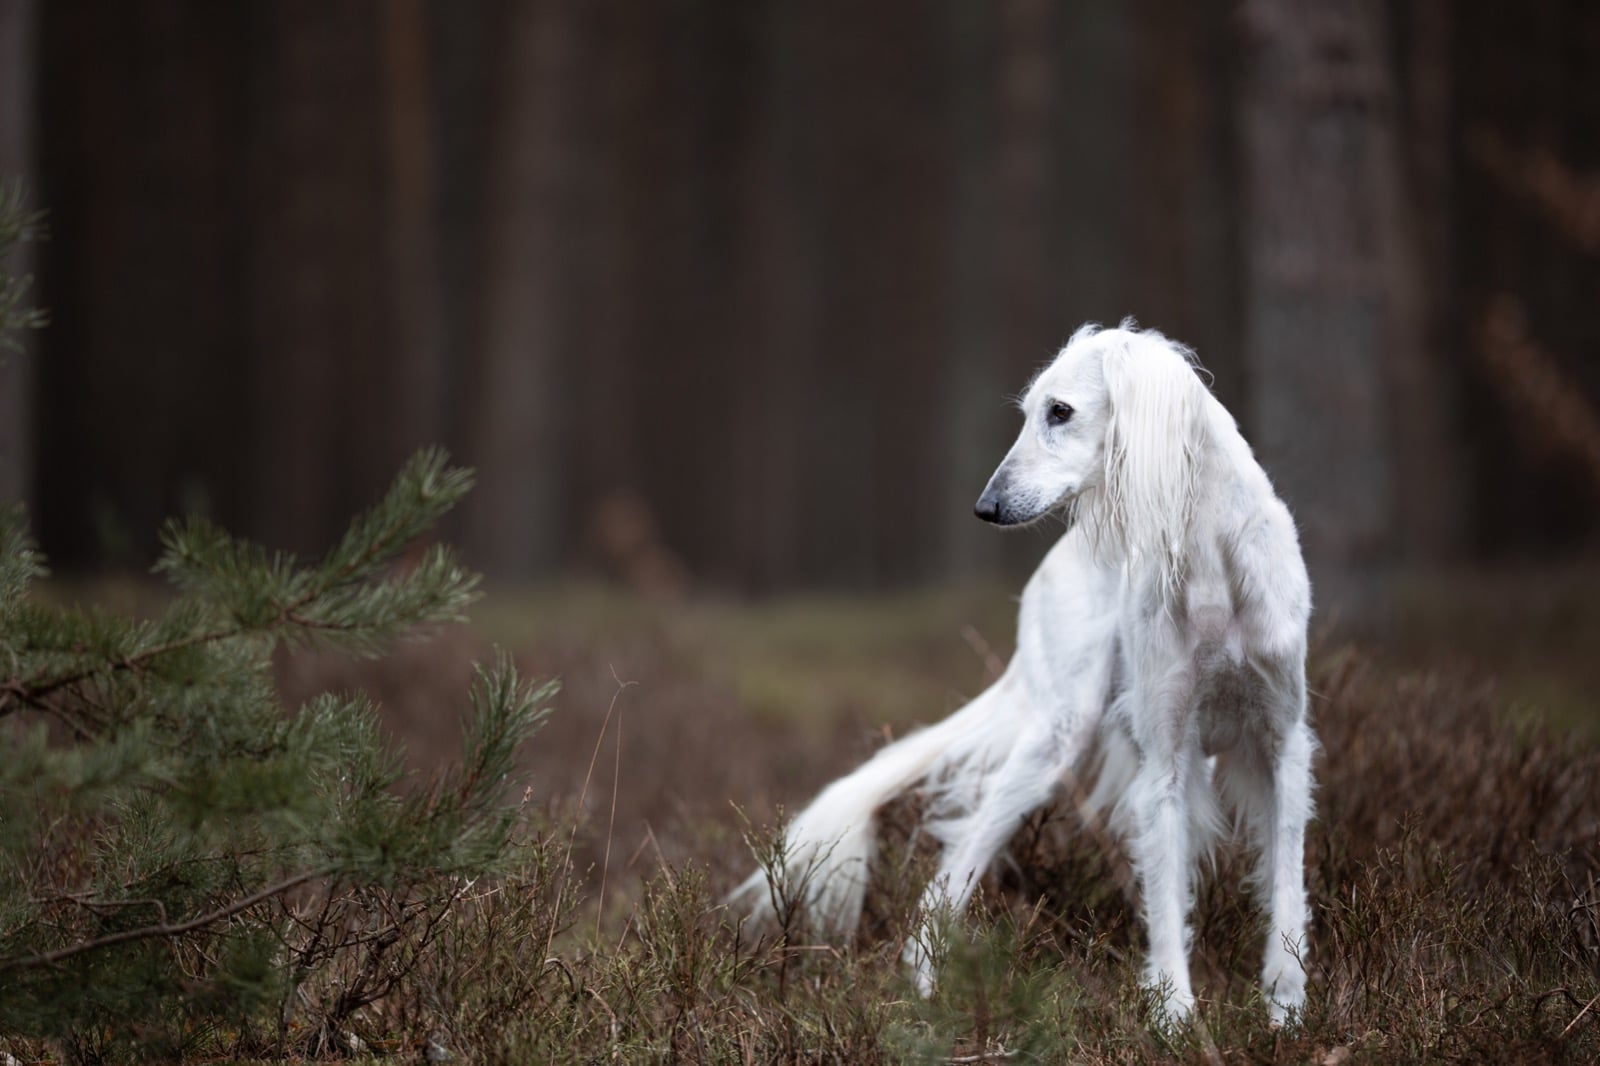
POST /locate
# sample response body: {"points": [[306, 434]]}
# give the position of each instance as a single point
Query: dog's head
{"points": [[1112, 431]]}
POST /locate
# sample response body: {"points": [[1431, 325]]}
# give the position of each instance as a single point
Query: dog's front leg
{"points": [[1163, 850]]}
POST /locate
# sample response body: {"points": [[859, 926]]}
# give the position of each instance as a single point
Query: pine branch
{"points": [[150, 931], [425, 489], [268, 595], [33, 691], [17, 225], [187, 784], [19, 559]]}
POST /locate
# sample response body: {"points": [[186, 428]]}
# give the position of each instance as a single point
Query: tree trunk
{"points": [[405, 378], [1329, 303], [1096, 137], [1428, 474], [1184, 230], [513, 521], [777, 304], [899, 192], [317, 286], [999, 268]]}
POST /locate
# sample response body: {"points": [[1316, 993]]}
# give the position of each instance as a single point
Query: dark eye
{"points": [[1058, 413]]}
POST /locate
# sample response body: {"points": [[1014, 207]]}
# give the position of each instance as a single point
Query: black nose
{"points": [[988, 507]]}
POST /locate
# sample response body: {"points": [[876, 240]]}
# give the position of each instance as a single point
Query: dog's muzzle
{"points": [[988, 506]]}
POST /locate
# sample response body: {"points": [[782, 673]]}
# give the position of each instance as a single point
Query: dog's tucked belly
{"points": [[1230, 697]]}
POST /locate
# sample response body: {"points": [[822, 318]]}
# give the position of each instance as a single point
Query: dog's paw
{"points": [[1175, 1008], [1283, 1008], [920, 964], [1284, 989], [1173, 1000]]}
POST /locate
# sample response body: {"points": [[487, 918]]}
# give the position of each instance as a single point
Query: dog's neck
{"points": [[1171, 561]]}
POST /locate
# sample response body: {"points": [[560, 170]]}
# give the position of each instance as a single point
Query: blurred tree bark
{"points": [[1169, 164], [460, 106], [318, 290], [1332, 302], [1097, 143], [614, 148], [1184, 232], [777, 303], [514, 383], [842, 505], [17, 44], [896, 260], [405, 379], [142, 171], [1429, 469]]}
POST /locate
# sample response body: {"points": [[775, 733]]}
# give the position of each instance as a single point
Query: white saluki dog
{"points": [[1168, 624]]}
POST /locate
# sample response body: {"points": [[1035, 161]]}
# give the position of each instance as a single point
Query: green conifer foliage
{"points": [[159, 808], [18, 225]]}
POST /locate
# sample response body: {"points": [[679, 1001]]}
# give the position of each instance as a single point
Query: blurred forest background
{"points": [[731, 294]]}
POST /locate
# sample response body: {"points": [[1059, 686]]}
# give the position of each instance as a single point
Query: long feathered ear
{"points": [[1154, 443]]}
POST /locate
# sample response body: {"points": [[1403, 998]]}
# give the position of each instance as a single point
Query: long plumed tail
{"points": [[828, 847]]}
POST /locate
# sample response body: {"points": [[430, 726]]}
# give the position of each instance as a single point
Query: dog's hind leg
{"points": [[1282, 874], [1269, 784]]}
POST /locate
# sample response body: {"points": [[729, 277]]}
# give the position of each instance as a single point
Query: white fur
{"points": [[1168, 623]]}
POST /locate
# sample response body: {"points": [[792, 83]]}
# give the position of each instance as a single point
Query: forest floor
{"points": [[1454, 864]]}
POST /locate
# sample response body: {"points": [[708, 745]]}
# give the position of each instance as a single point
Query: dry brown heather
{"points": [[1454, 863]]}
